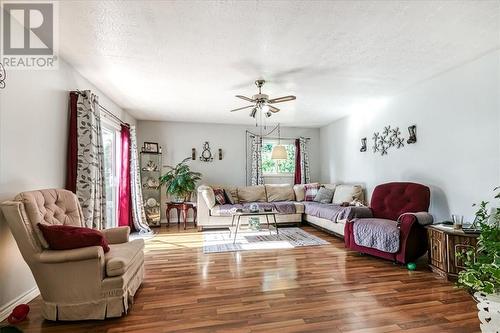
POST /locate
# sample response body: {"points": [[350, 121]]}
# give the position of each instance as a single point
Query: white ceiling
{"points": [[185, 60]]}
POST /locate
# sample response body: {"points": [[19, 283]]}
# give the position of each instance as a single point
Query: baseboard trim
{"points": [[6, 309]]}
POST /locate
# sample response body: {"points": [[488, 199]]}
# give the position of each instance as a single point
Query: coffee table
{"points": [[237, 216]]}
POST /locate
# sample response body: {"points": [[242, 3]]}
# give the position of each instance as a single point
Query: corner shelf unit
{"points": [[151, 190]]}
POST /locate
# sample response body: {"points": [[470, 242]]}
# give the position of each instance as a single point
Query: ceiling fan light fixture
{"points": [[279, 153], [269, 114], [265, 108], [253, 112]]}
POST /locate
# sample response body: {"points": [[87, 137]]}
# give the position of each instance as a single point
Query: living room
{"points": [[242, 166]]}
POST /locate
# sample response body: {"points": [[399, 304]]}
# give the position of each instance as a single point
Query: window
{"points": [[111, 144], [272, 167]]}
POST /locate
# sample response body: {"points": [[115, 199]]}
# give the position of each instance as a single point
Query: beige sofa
{"points": [[331, 216], [77, 284]]}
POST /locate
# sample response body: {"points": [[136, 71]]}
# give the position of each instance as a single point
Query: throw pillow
{"points": [[65, 237], [229, 198], [220, 198], [310, 191], [324, 195]]}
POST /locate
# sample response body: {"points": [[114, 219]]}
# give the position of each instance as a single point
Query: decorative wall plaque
{"points": [[206, 154]]}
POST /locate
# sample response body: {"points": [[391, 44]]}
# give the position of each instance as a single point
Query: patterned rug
{"points": [[288, 238]]}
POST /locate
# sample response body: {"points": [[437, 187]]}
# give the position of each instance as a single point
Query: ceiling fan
{"points": [[262, 102]]}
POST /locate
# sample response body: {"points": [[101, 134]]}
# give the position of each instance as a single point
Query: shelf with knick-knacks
{"points": [[150, 183]]}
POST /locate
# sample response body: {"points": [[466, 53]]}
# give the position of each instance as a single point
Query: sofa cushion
{"points": [[231, 192], [207, 193], [121, 256], [280, 192], [330, 212], [65, 237], [300, 192], [252, 194], [348, 193], [310, 191], [329, 186], [299, 207], [324, 195], [224, 210], [220, 198]]}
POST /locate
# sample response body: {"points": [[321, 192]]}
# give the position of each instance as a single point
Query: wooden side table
{"points": [[444, 243], [181, 208]]}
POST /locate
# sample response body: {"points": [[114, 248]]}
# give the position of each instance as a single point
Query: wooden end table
{"points": [[444, 243], [181, 208]]}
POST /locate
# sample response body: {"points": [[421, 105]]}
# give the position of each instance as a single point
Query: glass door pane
{"points": [[111, 145]]}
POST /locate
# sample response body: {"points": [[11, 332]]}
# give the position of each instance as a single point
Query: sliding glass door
{"points": [[111, 144]]}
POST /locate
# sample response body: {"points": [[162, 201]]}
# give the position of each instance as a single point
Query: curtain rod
{"points": [[282, 138], [106, 111], [273, 137]]}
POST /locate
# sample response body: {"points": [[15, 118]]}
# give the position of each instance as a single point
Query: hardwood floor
{"points": [[306, 289]]}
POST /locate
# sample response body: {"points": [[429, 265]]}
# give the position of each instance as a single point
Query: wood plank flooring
{"points": [[306, 289]]}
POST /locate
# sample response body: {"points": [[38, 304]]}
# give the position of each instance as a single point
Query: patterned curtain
{"points": [[138, 212], [304, 161], [90, 166], [256, 153]]}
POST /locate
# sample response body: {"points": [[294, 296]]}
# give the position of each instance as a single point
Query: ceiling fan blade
{"points": [[273, 109], [245, 107], [282, 99], [245, 98]]}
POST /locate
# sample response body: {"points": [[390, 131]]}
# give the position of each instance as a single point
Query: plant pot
{"points": [[489, 312], [177, 199]]}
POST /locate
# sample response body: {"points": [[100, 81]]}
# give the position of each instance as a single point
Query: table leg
{"points": [[232, 224], [276, 224], [195, 215], [167, 213], [184, 216], [268, 225], [178, 215], [236, 230]]}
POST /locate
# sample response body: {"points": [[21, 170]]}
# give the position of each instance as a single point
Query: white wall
{"points": [[33, 141], [178, 138], [458, 148]]}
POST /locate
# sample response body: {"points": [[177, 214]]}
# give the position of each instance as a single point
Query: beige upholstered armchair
{"points": [[78, 284]]}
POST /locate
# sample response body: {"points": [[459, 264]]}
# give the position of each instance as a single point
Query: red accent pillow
{"points": [[66, 237], [219, 196]]}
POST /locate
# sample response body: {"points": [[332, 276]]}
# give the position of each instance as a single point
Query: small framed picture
{"points": [[150, 147]]}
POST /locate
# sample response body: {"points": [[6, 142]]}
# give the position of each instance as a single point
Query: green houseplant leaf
{"points": [[179, 180], [482, 267]]}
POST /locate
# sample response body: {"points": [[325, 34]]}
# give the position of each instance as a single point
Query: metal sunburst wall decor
{"points": [[387, 139]]}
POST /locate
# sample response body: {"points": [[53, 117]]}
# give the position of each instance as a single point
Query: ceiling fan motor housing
{"points": [[260, 97]]}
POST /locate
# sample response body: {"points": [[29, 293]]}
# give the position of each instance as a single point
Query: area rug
{"points": [[288, 238]]}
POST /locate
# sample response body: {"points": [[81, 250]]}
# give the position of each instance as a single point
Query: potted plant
{"points": [[180, 181], [482, 268]]}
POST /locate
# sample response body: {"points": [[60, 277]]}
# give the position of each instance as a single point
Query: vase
{"points": [[489, 311]]}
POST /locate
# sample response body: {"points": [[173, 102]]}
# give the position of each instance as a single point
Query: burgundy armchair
{"points": [[391, 207]]}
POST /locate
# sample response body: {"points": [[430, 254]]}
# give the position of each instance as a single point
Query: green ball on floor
{"points": [[411, 266]]}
